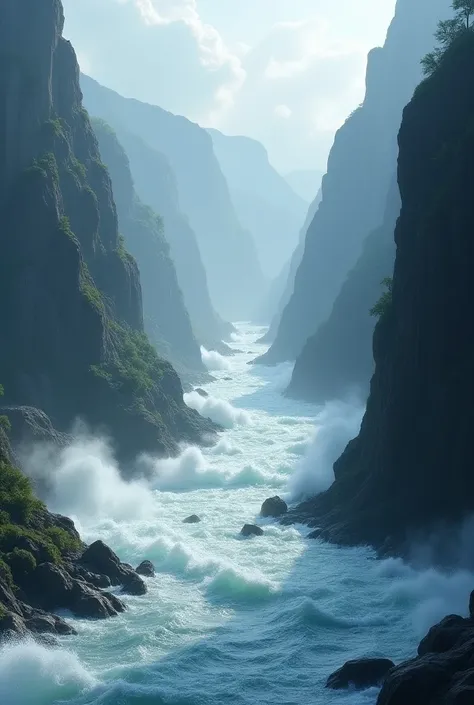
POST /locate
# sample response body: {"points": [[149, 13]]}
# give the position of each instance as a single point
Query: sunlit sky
{"points": [[286, 72]]}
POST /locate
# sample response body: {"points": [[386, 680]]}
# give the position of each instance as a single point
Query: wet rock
{"points": [[362, 673], [251, 530], [53, 588], [12, 626], [134, 585], [94, 579], [452, 630], [193, 519], [146, 568], [99, 558], [274, 507], [42, 623], [227, 379], [202, 392]]}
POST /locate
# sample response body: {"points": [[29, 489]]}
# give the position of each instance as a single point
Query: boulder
{"points": [[274, 507], [12, 626], [52, 587], [146, 568], [251, 530], [452, 630], [99, 558], [93, 579], [362, 673], [201, 392], [43, 623], [193, 519], [134, 585]]}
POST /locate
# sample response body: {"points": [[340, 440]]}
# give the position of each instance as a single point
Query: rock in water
{"points": [[99, 558], [363, 673], [251, 530], [202, 392], [146, 568], [274, 507], [193, 519]]}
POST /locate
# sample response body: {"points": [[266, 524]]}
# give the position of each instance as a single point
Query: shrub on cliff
{"points": [[447, 33], [385, 301]]}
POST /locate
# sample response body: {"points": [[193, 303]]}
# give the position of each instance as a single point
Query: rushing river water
{"points": [[227, 620]]}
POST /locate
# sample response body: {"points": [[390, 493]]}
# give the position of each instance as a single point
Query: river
{"points": [[228, 620]]}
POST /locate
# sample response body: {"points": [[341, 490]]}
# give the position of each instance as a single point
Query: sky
{"points": [[285, 72]]}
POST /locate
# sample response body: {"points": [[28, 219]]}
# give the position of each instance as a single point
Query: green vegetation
{"points": [[45, 165], [448, 31], [23, 525], [4, 422], [89, 289], [134, 366], [383, 305]]}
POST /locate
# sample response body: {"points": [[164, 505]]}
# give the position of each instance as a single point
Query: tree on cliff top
{"points": [[448, 31]]}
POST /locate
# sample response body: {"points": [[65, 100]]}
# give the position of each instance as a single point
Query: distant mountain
{"points": [[265, 203], [360, 169], [166, 319], [227, 249], [306, 183], [156, 186]]}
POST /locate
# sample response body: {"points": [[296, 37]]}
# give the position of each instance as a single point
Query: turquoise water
{"points": [[228, 620]]}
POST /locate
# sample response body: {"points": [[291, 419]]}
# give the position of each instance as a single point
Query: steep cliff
{"points": [[227, 249], [337, 361], [410, 466], [156, 186], [360, 167], [265, 203], [166, 319], [71, 320]]}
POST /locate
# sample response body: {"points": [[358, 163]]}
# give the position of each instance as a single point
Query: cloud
{"points": [[283, 111]]}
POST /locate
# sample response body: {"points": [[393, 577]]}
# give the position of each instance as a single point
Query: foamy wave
{"points": [[213, 360], [336, 425], [30, 673], [84, 482], [237, 586], [218, 410], [186, 472], [225, 447]]}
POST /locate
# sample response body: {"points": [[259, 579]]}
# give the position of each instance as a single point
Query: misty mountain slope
{"points": [[156, 186], [282, 288], [305, 182], [227, 249], [265, 203], [360, 167], [166, 319], [411, 464], [337, 361], [71, 319]]}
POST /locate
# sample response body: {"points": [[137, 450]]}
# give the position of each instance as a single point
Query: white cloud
{"points": [[283, 111]]}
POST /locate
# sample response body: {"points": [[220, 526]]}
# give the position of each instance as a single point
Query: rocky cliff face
{"points": [[358, 178], [410, 466], [227, 249], [337, 361], [71, 319], [156, 186], [265, 203], [166, 318]]}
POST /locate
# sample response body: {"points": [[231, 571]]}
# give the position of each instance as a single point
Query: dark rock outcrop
{"points": [[73, 312], [146, 568], [337, 361], [193, 519], [361, 673], [202, 392], [443, 672], [392, 478], [360, 167], [251, 530], [99, 558], [226, 248], [274, 507]]}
